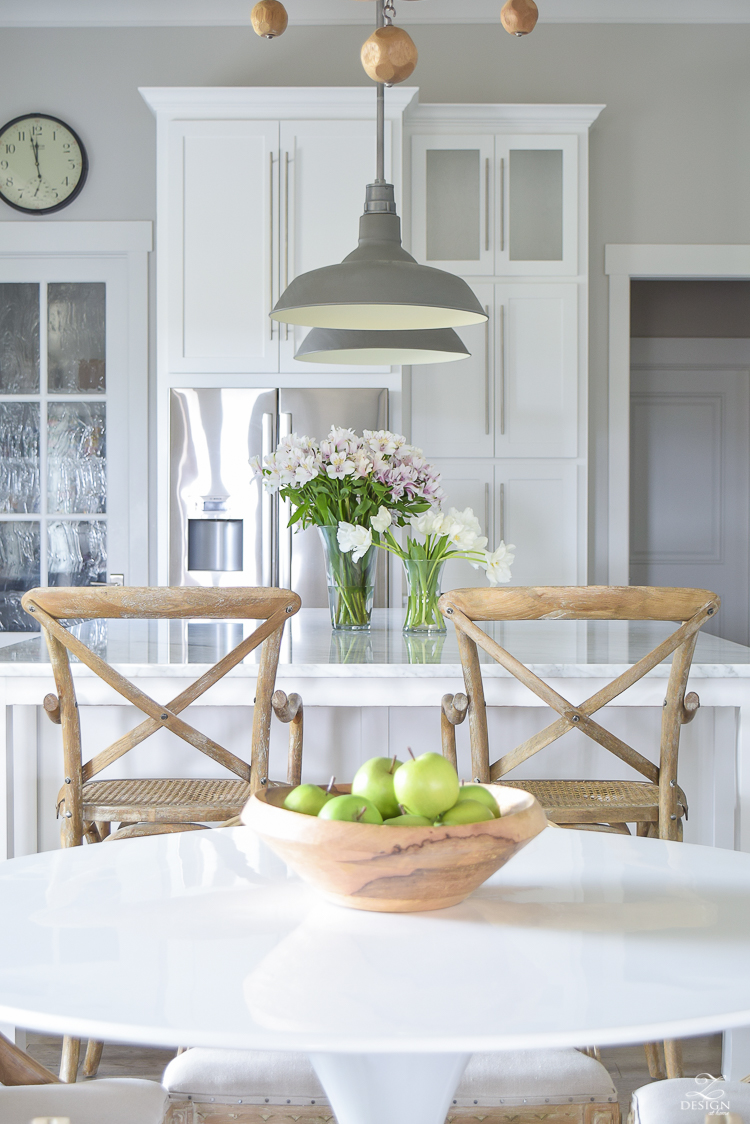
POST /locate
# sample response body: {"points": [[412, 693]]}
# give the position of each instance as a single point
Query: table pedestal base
{"points": [[398, 1088]]}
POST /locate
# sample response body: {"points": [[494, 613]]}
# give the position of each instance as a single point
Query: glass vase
{"points": [[422, 593], [351, 585]]}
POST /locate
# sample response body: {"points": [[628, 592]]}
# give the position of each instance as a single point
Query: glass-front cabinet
{"points": [[53, 439], [487, 204]]}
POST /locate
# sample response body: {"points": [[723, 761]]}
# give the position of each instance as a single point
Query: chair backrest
{"points": [[52, 605], [585, 603]]}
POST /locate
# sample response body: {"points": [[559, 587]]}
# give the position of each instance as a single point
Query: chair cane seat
{"points": [[598, 801], [164, 801]]}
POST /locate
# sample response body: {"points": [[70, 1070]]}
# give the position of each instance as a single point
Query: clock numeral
{"points": [[3, 164], [9, 181], [72, 163], [66, 147], [36, 130], [66, 181], [10, 148], [21, 135]]}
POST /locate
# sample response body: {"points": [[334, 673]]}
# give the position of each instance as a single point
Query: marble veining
{"points": [[311, 649]]}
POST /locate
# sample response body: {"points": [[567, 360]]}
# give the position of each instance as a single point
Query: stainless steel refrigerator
{"points": [[225, 530]]}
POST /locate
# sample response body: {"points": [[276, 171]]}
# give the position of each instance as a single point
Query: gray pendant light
{"points": [[334, 345], [379, 286]]}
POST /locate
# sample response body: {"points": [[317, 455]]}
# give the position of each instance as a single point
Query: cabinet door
{"points": [[537, 206], [536, 370], [467, 483], [453, 216], [223, 227], [452, 406], [536, 509], [324, 169]]}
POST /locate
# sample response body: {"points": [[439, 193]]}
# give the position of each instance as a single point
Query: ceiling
{"points": [[233, 13]]}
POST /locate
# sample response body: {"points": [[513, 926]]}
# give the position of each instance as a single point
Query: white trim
{"points": [[621, 264], [508, 118], [36, 237], [235, 13], [281, 103]]}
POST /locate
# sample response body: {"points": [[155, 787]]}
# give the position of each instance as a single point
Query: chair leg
{"points": [[71, 1053], [673, 1057], [92, 1059], [653, 1058]]}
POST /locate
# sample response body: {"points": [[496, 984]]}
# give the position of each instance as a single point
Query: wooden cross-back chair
{"points": [[88, 807], [657, 804]]}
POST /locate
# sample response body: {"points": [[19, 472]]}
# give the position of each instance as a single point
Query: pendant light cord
{"points": [[380, 178]]}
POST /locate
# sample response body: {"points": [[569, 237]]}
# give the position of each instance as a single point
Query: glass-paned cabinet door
{"points": [[63, 428], [536, 204], [453, 211]]}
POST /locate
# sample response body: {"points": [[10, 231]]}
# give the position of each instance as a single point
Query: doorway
{"points": [[690, 441]]}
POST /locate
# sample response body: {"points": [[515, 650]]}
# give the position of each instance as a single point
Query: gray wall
{"points": [[670, 156]]}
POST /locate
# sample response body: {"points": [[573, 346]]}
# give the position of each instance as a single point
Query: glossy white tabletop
{"points": [[204, 939]]}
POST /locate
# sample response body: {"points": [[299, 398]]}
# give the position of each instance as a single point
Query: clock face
{"points": [[43, 164]]}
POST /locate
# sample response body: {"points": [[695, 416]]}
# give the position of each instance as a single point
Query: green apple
{"points": [[427, 785], [307, 799], [478, 792], [356, 809], [408, 821], [374, 780], [465, 811]]}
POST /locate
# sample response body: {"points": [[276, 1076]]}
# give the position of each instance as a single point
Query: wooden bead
{"points": [[519, 17], [269, 19], [389, 55]]}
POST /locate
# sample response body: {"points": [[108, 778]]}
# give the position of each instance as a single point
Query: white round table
{"points": [[204, 939]]}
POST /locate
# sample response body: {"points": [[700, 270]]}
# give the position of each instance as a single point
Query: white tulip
{"points": [[497, 564], [358, 540], [382, 521], [431, 522]]}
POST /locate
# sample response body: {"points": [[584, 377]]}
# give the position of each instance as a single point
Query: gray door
{"points": [[311, 413], [689, 485]]}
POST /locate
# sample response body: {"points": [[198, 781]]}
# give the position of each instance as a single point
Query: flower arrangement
{"points": [[358, 490], [339, 484], [454, 535]]}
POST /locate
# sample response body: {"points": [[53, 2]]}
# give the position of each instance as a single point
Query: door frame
{"points": [[623, 263]]}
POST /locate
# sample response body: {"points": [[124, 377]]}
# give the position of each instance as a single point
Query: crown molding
{"points": [[288, 102], [235, 13], [520, 118]]}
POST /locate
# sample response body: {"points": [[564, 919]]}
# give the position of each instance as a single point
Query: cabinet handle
{"points": [[502, 205], [286, 230], [501, 361], [487, 370], [285, 512], [487, 205], [487, 510], [268, 506], [270, 241], [502, 513]]}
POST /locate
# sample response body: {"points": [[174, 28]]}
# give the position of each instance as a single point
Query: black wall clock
{"points": [[43, 164]]}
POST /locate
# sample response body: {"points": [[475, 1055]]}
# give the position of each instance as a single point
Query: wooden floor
{"points": [[627, 1064]]}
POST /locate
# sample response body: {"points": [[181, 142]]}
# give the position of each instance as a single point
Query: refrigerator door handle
{"points": [[268, 507], [285, 514]]}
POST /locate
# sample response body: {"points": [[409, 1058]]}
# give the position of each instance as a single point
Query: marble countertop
{"points": [[553, 649]]}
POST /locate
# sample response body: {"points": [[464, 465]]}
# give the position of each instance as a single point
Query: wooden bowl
{"points": [[394, 869]]}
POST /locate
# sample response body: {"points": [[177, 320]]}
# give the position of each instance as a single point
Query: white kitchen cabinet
{"points": [[517, 394], [223, 225], [489, 204], [536, 508], [324, 167], [468, 483], [254, 187], [453, 404], [536, 370]]}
